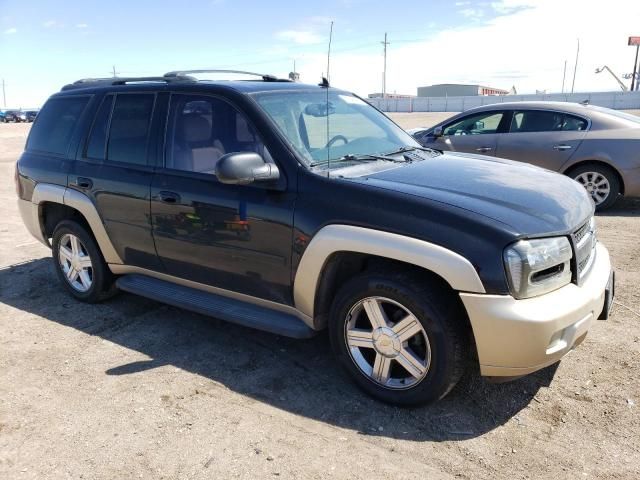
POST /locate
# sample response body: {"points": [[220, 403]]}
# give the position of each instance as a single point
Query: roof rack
{"points": [[97, 82], [265, 77]]}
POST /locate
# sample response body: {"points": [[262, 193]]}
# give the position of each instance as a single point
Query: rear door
{"points": [[114, 169], [544, 138], [473, 133]]}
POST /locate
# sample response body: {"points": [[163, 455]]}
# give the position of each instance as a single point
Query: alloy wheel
{"points": [[387, 343], [596, 184], [75, 262]]}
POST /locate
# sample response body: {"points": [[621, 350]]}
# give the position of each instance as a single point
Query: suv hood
{"points": [[528, 199]]}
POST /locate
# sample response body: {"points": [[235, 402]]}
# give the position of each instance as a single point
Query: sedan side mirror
{"points": [[437, 132], [243, 168]]}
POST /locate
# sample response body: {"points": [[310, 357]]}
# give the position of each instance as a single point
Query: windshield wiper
{"points": [[362, 157], [410, 149]]}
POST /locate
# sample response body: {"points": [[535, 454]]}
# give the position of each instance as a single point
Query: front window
{"points": [[322, 127], [479, 124]]}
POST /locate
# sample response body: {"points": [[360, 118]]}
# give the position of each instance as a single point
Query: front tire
{"points": [[400, 337], [79, 263], [600, 181]]}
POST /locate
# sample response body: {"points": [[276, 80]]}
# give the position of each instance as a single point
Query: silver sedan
{"points": [[598, 147]]}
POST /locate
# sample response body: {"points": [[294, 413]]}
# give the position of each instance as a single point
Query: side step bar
{"points": [[205, 303]]}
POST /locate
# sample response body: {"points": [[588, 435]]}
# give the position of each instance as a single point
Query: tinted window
{"points": [[98, 138], [571, 123], [203, 129], [481, 123], [56, 123], [129, 128], [536, 121]]}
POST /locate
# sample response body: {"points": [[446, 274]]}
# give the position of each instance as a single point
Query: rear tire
{"points": [[79, 263], [399, 360], [600, 181]]}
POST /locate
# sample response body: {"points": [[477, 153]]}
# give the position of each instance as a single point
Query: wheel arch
{"points": [[567, 171], [321, 267], [55, 203]]}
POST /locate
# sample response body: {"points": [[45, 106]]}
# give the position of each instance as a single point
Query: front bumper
{"points": [[517, 337]]}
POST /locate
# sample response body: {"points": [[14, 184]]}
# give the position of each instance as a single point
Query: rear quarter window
{"points": [[55, 125]]}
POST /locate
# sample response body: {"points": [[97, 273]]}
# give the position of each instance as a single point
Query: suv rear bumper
{"points": [[517, 337]]}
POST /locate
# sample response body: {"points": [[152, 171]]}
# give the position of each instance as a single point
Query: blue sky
{"points": [[44, 45]]}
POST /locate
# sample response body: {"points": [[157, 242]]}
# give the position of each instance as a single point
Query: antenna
{"points": [[325, 84]]}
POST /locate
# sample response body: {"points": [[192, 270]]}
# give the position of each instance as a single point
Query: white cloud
{"points": [[302, 37], [49, 23], [10, 31], [81, 25], [525, 47], [471, 12], [462, 4]]}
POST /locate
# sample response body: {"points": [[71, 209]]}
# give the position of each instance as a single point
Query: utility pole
{"points": [[634, 81], [564, 75], [114, 72], [576, 67], [4, 95], [384, 72]]}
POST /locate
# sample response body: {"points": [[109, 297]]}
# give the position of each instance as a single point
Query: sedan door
{"points": [[474, 133], [544, 138]]}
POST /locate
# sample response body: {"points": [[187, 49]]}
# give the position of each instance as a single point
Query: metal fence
{"points": [[615, 100]]}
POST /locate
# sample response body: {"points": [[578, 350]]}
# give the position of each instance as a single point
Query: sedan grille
{"points": [[584, 244]]}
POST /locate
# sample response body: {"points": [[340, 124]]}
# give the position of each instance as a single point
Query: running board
{"points": [[212, 305]]}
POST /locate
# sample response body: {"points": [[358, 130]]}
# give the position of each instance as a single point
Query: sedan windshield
{"points": [[340, 127]]}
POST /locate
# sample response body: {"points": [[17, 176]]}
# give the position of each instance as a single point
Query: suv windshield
{"points": [[343, 126]]}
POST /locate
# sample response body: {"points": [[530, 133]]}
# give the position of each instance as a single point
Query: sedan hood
{"points": [[530, 200]]}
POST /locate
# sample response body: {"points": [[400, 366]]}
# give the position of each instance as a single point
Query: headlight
{"points": [[536, 267]]}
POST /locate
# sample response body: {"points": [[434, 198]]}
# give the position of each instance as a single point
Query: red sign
{"points": [[635, 41]]}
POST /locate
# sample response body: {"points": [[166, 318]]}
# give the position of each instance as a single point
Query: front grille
{"points": [[584, 243]]}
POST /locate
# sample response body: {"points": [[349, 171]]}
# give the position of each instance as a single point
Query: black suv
{"points": [[290, 208]]}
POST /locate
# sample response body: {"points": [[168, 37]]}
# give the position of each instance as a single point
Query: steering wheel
{"points": [[335, 139]]}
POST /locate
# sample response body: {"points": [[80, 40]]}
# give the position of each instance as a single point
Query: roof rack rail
{"points": [[265, 77], [91, 82]]}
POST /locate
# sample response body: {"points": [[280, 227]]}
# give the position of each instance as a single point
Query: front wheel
{"points": [[400, 337], [600, 181]]}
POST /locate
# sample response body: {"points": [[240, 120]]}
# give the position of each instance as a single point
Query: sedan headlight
{"points": [[536, 267]]}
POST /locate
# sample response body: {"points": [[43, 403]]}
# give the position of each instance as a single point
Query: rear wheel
{"points": [[600, 181], [400, 337], [79, 263]]}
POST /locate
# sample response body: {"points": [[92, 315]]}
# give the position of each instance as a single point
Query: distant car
{"points": [[22, 117], [31, 115], [7, 116], [598, 147]]}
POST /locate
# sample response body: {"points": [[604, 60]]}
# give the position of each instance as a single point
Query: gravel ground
{"points": [[135, 389]]}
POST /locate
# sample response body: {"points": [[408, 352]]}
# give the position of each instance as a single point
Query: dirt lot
{"points": [[136, 389]]}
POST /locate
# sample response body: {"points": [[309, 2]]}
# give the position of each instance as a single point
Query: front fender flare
{"points": [[452, 267]]}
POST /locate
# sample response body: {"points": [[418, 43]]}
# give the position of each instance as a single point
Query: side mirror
{"points": [[437, 132], [243, 168]]}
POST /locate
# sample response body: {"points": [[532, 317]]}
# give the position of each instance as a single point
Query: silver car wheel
{"points": [[596, 184], [387, 343], [75, 262]]}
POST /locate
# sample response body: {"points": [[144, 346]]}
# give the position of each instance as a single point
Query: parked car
{"points": [[31, 115], [230, 198], [598, 147], [7, 116], [21, 116]]}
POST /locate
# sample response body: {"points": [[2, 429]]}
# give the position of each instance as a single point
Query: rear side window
{"points": [[98, 139], [129, 129], [546, 121], [55, 125]]}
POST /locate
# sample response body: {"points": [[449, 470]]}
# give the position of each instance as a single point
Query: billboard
{"points": [[635, 41]]}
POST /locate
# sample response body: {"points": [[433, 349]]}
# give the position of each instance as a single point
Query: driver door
{"points": [[476, 133]]}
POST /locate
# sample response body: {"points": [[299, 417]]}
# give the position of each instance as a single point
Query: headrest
{"points": [[195, 128]]}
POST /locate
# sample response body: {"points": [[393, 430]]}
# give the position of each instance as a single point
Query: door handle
{"points": [[562, 147], [84, 183], [169, 197], [484, 149]]}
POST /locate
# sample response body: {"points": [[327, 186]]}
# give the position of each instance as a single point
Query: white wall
{"points": [[616, 100]]}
